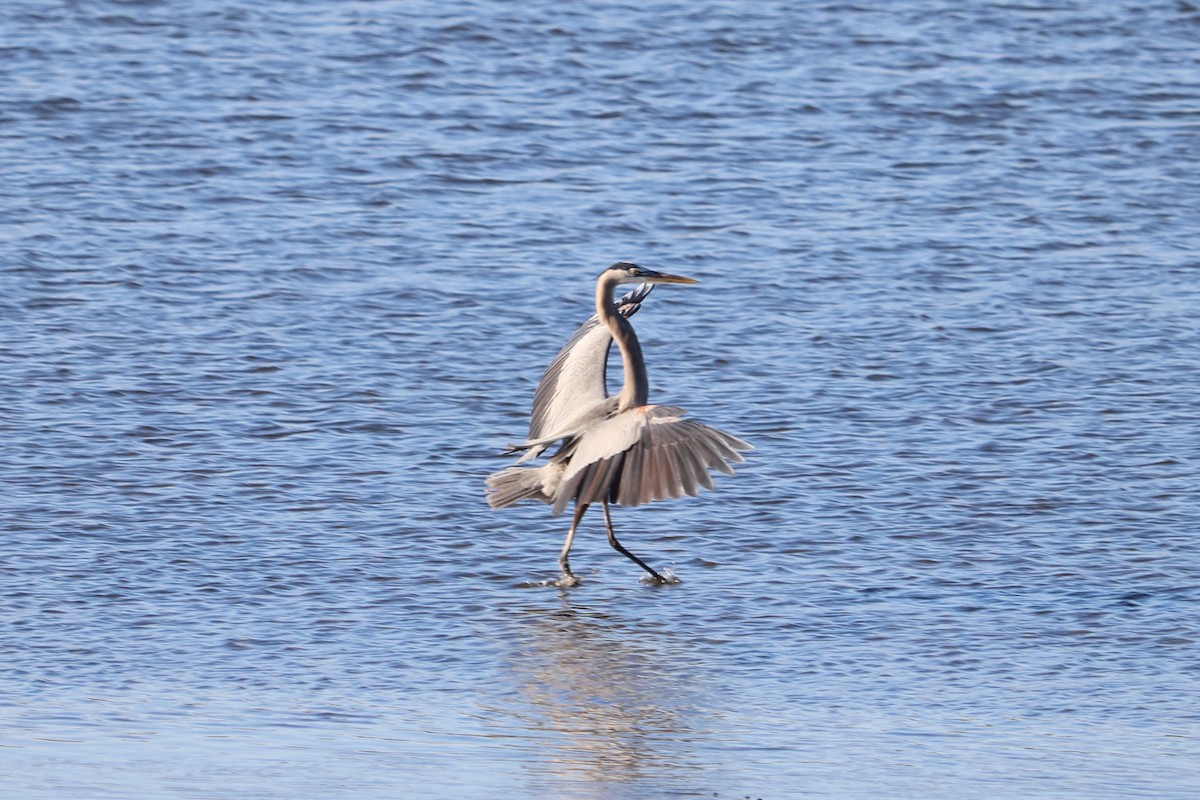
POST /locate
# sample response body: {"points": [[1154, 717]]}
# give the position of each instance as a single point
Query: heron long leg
{"points": [[568, 578], [612, 539]]}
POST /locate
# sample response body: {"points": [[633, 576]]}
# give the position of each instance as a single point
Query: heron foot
{"points": [[568, 579], [654, 579]]}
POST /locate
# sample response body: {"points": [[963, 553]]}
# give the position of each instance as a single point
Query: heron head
{"points": [[625, 272]]}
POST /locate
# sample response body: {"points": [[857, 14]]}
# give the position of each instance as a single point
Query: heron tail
{"points": [[514, 484]]}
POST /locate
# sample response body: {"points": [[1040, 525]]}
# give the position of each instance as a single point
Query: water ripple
{"points": [[278, 283]]}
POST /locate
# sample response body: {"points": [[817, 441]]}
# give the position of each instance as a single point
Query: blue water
{"points": [[277, 280]]}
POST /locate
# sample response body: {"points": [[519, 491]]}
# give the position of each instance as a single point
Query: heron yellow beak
{"points": [[663, 277]]}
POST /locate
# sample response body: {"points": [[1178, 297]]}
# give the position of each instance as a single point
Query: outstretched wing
{"points": [[648, 453], [575, 378]]}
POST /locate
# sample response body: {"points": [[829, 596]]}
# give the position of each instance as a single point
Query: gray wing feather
{"points": [[575, 378], [667, 457]]}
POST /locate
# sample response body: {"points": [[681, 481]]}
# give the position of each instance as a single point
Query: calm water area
{"points": [[277, 282]]}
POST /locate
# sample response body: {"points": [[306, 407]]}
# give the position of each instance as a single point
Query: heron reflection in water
{"points": [[612, 449], [601, 709]]}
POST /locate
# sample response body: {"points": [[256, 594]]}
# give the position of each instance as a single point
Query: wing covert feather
{"points": [[650, 453]]}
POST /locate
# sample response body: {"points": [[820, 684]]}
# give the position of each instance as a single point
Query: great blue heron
{"points": [[617, 449]]}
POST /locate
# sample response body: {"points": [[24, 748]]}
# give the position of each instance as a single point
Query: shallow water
{"points": [[278, 280]]}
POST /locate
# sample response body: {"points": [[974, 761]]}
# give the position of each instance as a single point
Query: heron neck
{"points": [[636, 391]]}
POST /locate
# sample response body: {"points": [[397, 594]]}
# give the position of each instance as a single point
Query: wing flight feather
{"points": [[650, 453], [575, 378]]}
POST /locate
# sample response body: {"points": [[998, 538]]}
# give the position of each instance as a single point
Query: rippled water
{"points": [[278, 280]]}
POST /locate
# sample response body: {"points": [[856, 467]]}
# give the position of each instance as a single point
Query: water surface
{"points": [[276, 284]]}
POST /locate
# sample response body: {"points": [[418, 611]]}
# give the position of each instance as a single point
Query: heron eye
{"points": [[635, 272]]}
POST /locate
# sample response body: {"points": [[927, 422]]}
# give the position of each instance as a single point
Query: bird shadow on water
{"points": [[600, 702]]}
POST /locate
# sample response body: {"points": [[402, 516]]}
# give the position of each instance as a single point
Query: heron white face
{"points": [[632, 273]]}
